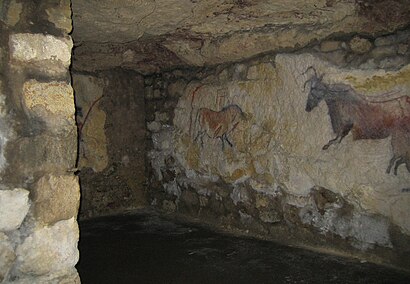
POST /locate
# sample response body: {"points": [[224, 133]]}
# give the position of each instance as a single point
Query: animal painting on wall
{"points": [[365, 117], [218, 124]]}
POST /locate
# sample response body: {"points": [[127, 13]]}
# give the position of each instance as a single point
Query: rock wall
{"points": [[111, 118], [242, 146], [39, 194]]}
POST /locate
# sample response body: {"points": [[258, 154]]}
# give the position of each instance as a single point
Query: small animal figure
{"points": [[218, 124], [364, 117]]}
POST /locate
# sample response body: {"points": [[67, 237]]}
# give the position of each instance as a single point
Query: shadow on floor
{"points": [[148, 248]]}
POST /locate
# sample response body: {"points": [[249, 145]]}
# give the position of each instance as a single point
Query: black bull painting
{"points": [[366, 118]]}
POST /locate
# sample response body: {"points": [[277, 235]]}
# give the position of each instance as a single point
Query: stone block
{"points": [[49, 249], [383, 51], [7, 256], [56, 198], [49, 54], [154, 126], [52, 102], [330, 45], [42, 153], [69, 276], [385, 40], [360, 45], [60, 15], [270, 216], [14, 205], [13, 12]]}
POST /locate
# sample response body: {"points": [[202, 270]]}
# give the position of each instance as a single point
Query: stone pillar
{"points": [[39, 194]]}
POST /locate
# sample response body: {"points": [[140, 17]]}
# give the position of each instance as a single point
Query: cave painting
{"points": [[218, 124], [367, 118]]}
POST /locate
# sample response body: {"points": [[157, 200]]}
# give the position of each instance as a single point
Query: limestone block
{"points": [[385, 40], [47, 53], [360, 45], [49, 249], [270, 216], [52, 102], [66, 276], [7, 256], [154, 126], [56, 198], [384, 51], [13, 12], [60, 15], [44, 153], [14, 205], [330, 45]]}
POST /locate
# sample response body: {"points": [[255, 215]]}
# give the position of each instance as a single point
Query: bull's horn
{"points": [[304, 85], [310, 68]]}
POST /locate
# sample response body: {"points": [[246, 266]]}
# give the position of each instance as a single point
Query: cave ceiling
{"points": [[153, 35]]}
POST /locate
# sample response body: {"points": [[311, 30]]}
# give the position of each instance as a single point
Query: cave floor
{"points": [[147, 248]]}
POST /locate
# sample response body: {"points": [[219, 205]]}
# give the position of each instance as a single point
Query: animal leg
{"points": [[201, 136], [340, 136], [408, 165], [391, 164], [223, 143], [227, 140]]}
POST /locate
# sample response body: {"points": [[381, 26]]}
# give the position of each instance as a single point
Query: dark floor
{"points": [[147, 248]]}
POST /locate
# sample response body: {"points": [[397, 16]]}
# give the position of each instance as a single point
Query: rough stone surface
{"points": [[51, 102], [46, 153], [38, 138], [385, 40], [5, 124], [384, 51], [152, 35], [67, 276], [7, 256], [13, 11], [49, 249], [277, 150], [112, 159], [360, 45], [56, 198], [60, 15], [91, 118], [48, 54], [327, 46], [14, 205]]}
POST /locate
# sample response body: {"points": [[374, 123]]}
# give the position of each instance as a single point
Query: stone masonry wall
{"points": [[238, 146], [39, 194], [111, 118]]}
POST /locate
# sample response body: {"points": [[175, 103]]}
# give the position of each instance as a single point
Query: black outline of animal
{"points": [[218, 124], [364, 117]]}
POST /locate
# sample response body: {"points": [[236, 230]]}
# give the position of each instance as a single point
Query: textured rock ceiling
{"points": [[150, 35]]}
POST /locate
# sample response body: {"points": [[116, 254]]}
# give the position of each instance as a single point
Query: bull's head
{"points": [[317, 90]]}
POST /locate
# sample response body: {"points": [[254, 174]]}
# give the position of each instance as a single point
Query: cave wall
{"points": [[39, 193], [111, 118], [235, 146]]}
